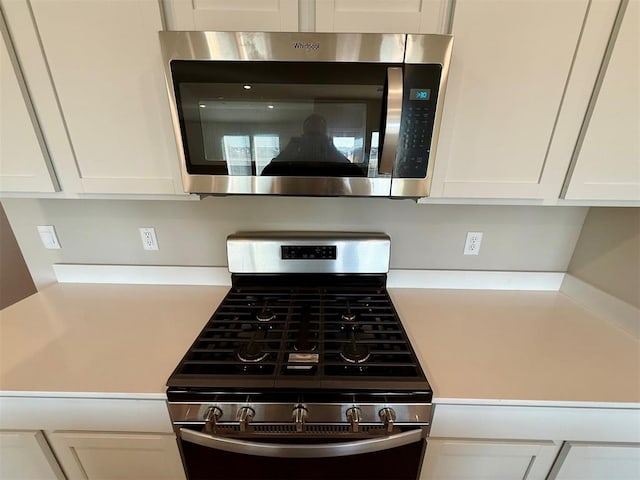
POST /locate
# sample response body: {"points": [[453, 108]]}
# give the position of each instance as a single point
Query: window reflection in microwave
{"points": [[257, 137]]}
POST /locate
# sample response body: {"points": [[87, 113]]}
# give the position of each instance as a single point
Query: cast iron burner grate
{"points": [[301, 337]]}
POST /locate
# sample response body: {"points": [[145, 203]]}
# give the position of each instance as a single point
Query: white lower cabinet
{"points": [[470, 459], [122, 456], [25, 455], [597, 461]]}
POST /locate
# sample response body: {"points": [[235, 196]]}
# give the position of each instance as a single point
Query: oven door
{"points": [[286, 113], [289, 456]]}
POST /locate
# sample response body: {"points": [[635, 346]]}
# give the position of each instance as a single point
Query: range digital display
{"points": [[308, 252], [420, 93]]}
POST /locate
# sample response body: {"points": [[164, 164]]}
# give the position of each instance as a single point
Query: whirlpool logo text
{"points": [[306, 45]]}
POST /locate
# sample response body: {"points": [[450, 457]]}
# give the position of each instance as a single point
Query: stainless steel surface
{"points": [[265, 413], [245, 415], [424, 48], [283, 46], [427, 49], [354, 417], [325, 186], [393, 118], [299, 417], [388, 417], [260, 252], [302, 451]]}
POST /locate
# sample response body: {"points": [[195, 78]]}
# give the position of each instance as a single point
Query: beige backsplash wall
{"points": [[607, 254], [518, 238]]}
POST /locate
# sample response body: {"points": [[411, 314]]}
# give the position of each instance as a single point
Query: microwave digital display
{"points": [[420, 93]]}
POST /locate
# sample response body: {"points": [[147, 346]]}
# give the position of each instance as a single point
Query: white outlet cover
{"points": [[472, 244], [49, 237], [148, 237]]}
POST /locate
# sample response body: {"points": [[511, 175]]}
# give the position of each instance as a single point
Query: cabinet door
{"points": [[597, 461], [107, 456], [105, 63], [25, 455], [24, 161], [232, 15], [607, 164], [382, 16], [511, 61], [459, 459]]}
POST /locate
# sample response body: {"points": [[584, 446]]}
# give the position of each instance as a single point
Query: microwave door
{"points": [[296, 129]]}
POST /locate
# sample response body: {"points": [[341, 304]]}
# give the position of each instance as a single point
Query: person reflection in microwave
{"points": [[314, 145]]}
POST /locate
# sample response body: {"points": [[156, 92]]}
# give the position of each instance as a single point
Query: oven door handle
{"points": [[392, 121], [301, 451]]}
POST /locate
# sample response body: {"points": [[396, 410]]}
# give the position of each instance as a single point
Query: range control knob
{"points": [[244, 416], [388, 417], [354, 416], [299, 417], [211, 417]]}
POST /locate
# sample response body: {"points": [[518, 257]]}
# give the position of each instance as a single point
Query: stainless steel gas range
{"points": [[304, 371]]}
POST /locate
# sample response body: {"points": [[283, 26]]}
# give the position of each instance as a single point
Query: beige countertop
{"points": [[475, 346]]}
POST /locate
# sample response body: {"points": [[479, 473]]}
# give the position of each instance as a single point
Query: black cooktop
{"points": [[295, 334]]}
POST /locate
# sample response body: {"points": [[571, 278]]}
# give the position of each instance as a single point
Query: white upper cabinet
{"points": [[232, 15], [106, 70], [382, 16], [24, 162], [105, 63], [511, 63], [607, 163]]}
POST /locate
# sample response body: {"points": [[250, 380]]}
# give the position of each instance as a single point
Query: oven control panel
{"points": [[300, 417], [308, 252]]}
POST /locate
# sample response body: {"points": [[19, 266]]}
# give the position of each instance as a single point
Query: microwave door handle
{"points": [[393, 116], [284, 450]]}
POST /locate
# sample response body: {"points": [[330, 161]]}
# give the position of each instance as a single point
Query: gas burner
{"points": [[348, 315], [266, 314], [308, 347], [251, 353], [355, 353]]}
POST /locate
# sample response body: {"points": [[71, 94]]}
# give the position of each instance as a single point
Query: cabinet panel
{"points": [[105, 63], [460, 459], [382, 16], [597, 461], [25, 455], [607, 166], [237, 15], [505, 88], [107, 456], [24, 162]]}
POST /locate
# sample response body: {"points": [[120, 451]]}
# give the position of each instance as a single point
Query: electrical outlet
{"points": [[472, 245], [149, 240], [49, 237]]}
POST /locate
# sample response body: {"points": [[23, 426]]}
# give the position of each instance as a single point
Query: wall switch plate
{"points": [[148, 236], [49, 237], [472, 245]]}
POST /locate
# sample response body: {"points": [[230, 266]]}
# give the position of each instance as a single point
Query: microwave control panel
{"points": [[421, 88]]}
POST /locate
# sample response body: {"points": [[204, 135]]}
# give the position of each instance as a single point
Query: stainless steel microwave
{"points": [[311, 114]]}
